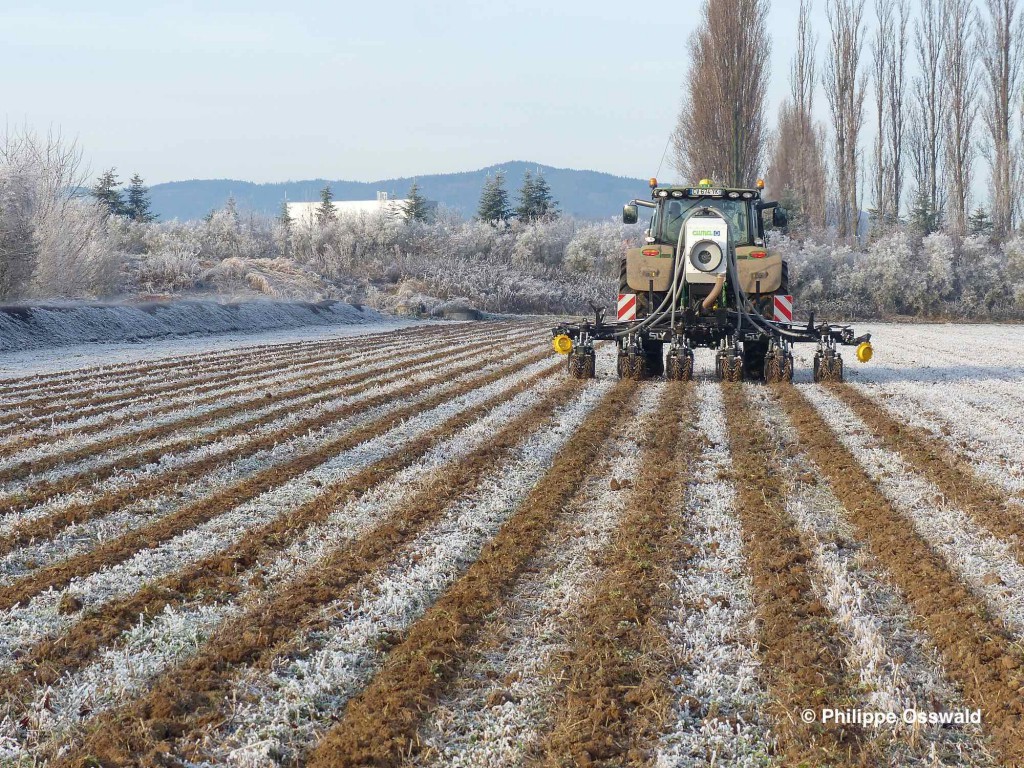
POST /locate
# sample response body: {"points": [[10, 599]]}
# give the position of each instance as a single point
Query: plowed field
{"points": [[429, 547]]}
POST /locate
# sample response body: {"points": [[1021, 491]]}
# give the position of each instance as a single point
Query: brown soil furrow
{"points": [[982, 500], [97, 393], [224, 575], [800, 647], [348, 385], [187, 365], [380, 724], [49, 525], [118, 550], [267, 397], [187, 696], [613, 678], [134, 368], [977, 650], [88, 403]]}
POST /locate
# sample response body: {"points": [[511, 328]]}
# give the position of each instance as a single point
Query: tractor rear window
{"points": [[675, 212]]}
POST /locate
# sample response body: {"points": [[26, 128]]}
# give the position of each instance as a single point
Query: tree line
{"points": [[535, 202], [940, 83]]}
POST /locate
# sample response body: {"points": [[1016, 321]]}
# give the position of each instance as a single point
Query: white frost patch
{"points": [[276, 714], [84, 536], [977, 420], [52, 720], [984, 562], [719, 696], [896, 665], [149, 648], [303, 407], [133, 416], [26, 625], [464, 730]]}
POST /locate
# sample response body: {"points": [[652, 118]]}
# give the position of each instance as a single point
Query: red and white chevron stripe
{"points": [[627, 306], [783, 308]]}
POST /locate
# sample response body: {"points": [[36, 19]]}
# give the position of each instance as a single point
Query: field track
{"points": [[429, 547]]}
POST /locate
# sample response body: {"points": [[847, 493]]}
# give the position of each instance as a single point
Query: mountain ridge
{"points": [[584, 194]]}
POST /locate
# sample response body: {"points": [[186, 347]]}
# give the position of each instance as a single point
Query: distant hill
{"points": [[584, 194]]}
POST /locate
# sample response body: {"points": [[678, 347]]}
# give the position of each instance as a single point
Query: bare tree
{"points": [[896, 72], [881, 57], [926, 138], [845, 88], [960, 71], [796, 172], [1001, 41], [53, 242], [720, 132]]}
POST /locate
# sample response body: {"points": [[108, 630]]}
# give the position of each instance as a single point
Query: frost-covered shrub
{"points": [[171, 269]]}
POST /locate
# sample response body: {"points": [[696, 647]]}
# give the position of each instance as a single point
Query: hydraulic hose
{"points": [[742, 306], [671, 295]]}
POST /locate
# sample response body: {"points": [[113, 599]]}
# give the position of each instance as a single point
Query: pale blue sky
{"points": [[274, 91]]}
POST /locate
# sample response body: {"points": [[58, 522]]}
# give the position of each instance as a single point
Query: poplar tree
{"points": [[720, 132]]}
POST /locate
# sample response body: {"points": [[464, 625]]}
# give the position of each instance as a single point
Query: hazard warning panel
{"points": [[783, 308], [627, 306]]}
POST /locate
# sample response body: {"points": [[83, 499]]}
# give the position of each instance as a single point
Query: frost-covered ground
{"points": [[457, 385], [60, 343]]}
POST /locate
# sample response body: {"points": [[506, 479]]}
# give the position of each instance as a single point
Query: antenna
{"points": [[667, 142]]}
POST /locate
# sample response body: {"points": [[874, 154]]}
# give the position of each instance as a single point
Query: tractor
{"points": [[705, 276]]}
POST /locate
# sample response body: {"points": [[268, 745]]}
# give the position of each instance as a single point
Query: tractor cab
{"points": [[672, 205]]}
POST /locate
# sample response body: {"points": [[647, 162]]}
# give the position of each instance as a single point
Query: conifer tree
{"points": [[494, 205], [415, 207], [286, 224], [979, 222], [325, 212], [106, 192], [545, 206], [535, 200], [139, 206]]}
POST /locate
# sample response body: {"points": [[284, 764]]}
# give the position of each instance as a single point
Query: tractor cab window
{"points": [[675, 212]]}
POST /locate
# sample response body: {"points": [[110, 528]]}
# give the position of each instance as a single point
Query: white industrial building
{"points": [[305, 213]]}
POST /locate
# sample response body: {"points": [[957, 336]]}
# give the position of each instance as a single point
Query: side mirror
{"points": [[780, 218], [629, 214]]}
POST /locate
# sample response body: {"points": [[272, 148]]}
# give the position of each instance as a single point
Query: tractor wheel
{"points": [[633, 367], [729, 366], [581, 365], [784, 284], [679, 366], [828, 367], [778, 367], [655, 362], [735, 372]]}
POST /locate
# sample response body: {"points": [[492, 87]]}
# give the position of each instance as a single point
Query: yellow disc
{"points": [[562, 344], [864, 351]]}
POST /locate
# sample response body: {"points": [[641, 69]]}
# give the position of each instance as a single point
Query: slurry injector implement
{"points": [[705, 277]]}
